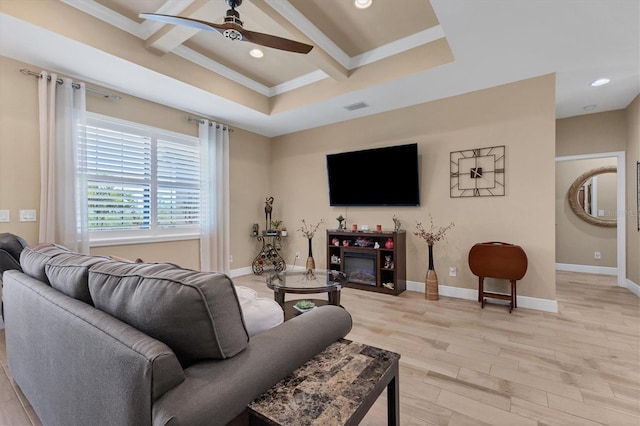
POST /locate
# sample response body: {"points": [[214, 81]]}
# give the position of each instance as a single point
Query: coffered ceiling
{"points": [[391, 55]]}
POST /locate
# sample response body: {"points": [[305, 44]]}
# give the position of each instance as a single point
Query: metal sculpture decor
{"points": [[268, 209]]}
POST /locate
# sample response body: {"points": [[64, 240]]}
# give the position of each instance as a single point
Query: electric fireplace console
{"points": [[372, 260]]}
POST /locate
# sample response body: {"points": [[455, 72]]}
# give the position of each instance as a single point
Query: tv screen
{"points": [[374, 177]]}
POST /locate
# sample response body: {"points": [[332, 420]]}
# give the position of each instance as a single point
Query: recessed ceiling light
{"points": [[589, 107], [362, 4], [600, 82], [256, 53]]}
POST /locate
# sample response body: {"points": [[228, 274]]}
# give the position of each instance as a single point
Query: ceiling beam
{"points": [[317, 56], [171, 36]]}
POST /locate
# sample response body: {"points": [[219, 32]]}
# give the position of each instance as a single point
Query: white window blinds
{"points": [[141, 180]]}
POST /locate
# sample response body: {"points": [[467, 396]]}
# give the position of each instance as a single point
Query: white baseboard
{"points": [[633, 287], [587, 269], [545, 305], [248, 270], [240, 272]]}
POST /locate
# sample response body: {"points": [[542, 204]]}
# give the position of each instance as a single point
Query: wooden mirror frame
{"points": [[573, 197]]}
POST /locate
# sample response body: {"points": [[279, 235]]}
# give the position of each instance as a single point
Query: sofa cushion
{"points": [[34, 259], [196, 314], [69, 274]]}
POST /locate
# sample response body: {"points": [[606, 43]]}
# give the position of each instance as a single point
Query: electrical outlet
{"points": [[230, 258], [5, 216], [597, 255], [453, 271], [297, 255]]}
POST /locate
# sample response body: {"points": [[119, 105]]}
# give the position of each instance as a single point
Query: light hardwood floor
{"points": [[462, 365]]}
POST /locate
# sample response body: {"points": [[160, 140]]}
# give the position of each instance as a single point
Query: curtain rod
{"points": [[74, 85], [201, 121]]}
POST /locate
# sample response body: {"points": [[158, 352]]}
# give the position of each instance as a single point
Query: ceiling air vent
{"points": [[357, 105]]}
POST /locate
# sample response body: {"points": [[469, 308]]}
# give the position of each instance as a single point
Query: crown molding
{"points": [[298, 82], [418, 39]]}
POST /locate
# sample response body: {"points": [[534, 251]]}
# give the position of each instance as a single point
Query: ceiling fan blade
{"points": [[187, 22], [275, 42]]}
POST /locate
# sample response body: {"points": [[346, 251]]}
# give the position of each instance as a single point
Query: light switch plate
{"points": [[5, 216], [27, 215]]}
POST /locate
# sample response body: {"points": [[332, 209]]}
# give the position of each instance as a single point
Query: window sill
{"points": [[142, 240]]}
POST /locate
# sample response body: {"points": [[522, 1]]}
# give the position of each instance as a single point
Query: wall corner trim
{"points": [[633, 287]]}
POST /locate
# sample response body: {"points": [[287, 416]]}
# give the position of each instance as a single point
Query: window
{"points": [[143, 183]]}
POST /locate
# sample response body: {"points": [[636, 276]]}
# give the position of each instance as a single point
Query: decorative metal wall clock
{"points": [[477, 172]]}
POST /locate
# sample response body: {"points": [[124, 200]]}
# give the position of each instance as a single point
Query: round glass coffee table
{"points": [[304, 282]]}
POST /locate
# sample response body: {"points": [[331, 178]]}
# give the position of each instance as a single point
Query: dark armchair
{"points": [[10, 248]]}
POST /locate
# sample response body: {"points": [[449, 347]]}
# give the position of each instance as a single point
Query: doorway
{"points": [[618, 158]]}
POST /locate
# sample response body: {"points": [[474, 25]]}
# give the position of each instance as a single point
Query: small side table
{"points": [[336, 387], [498, 260], [268, 259]]}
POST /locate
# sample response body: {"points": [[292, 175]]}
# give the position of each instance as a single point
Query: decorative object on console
{"points": [[335, 241], [309, 231], [389, 243], [431, 237], [396, 223], [478, 172], [363, 242], [341, 224], [268, 208]]}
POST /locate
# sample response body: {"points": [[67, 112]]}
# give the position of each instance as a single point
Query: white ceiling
{"points": [[493, 42]]}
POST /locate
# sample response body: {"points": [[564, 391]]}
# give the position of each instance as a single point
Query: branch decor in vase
{"points": [[308, 231], [431, 236]]}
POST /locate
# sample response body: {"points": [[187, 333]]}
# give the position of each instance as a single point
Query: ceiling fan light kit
{"points": [[232, 29]]}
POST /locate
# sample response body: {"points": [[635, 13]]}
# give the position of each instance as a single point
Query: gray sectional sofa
{"points": [[92, 341]]}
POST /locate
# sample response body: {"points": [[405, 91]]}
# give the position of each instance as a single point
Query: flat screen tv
{"points": [[374, 177]]}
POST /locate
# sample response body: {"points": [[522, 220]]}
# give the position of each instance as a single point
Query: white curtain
{"points": [[214, 237], [63, 210]]}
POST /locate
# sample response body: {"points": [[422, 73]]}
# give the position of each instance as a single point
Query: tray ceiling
{"points": [[391, 55]]}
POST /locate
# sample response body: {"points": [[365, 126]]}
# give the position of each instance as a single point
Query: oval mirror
{"points": [[592, 197]]}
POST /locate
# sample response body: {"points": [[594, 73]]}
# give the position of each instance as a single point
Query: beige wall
{"points": [[577, 240], [633, 156], [497, 116], [592, 133], [608, 132], [20, 178]]}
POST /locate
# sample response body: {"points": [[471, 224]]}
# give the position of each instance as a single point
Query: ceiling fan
{"points": [[233, 30]]}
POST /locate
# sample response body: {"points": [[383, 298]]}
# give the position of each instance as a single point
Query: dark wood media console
{"points": [[382, 269]]}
